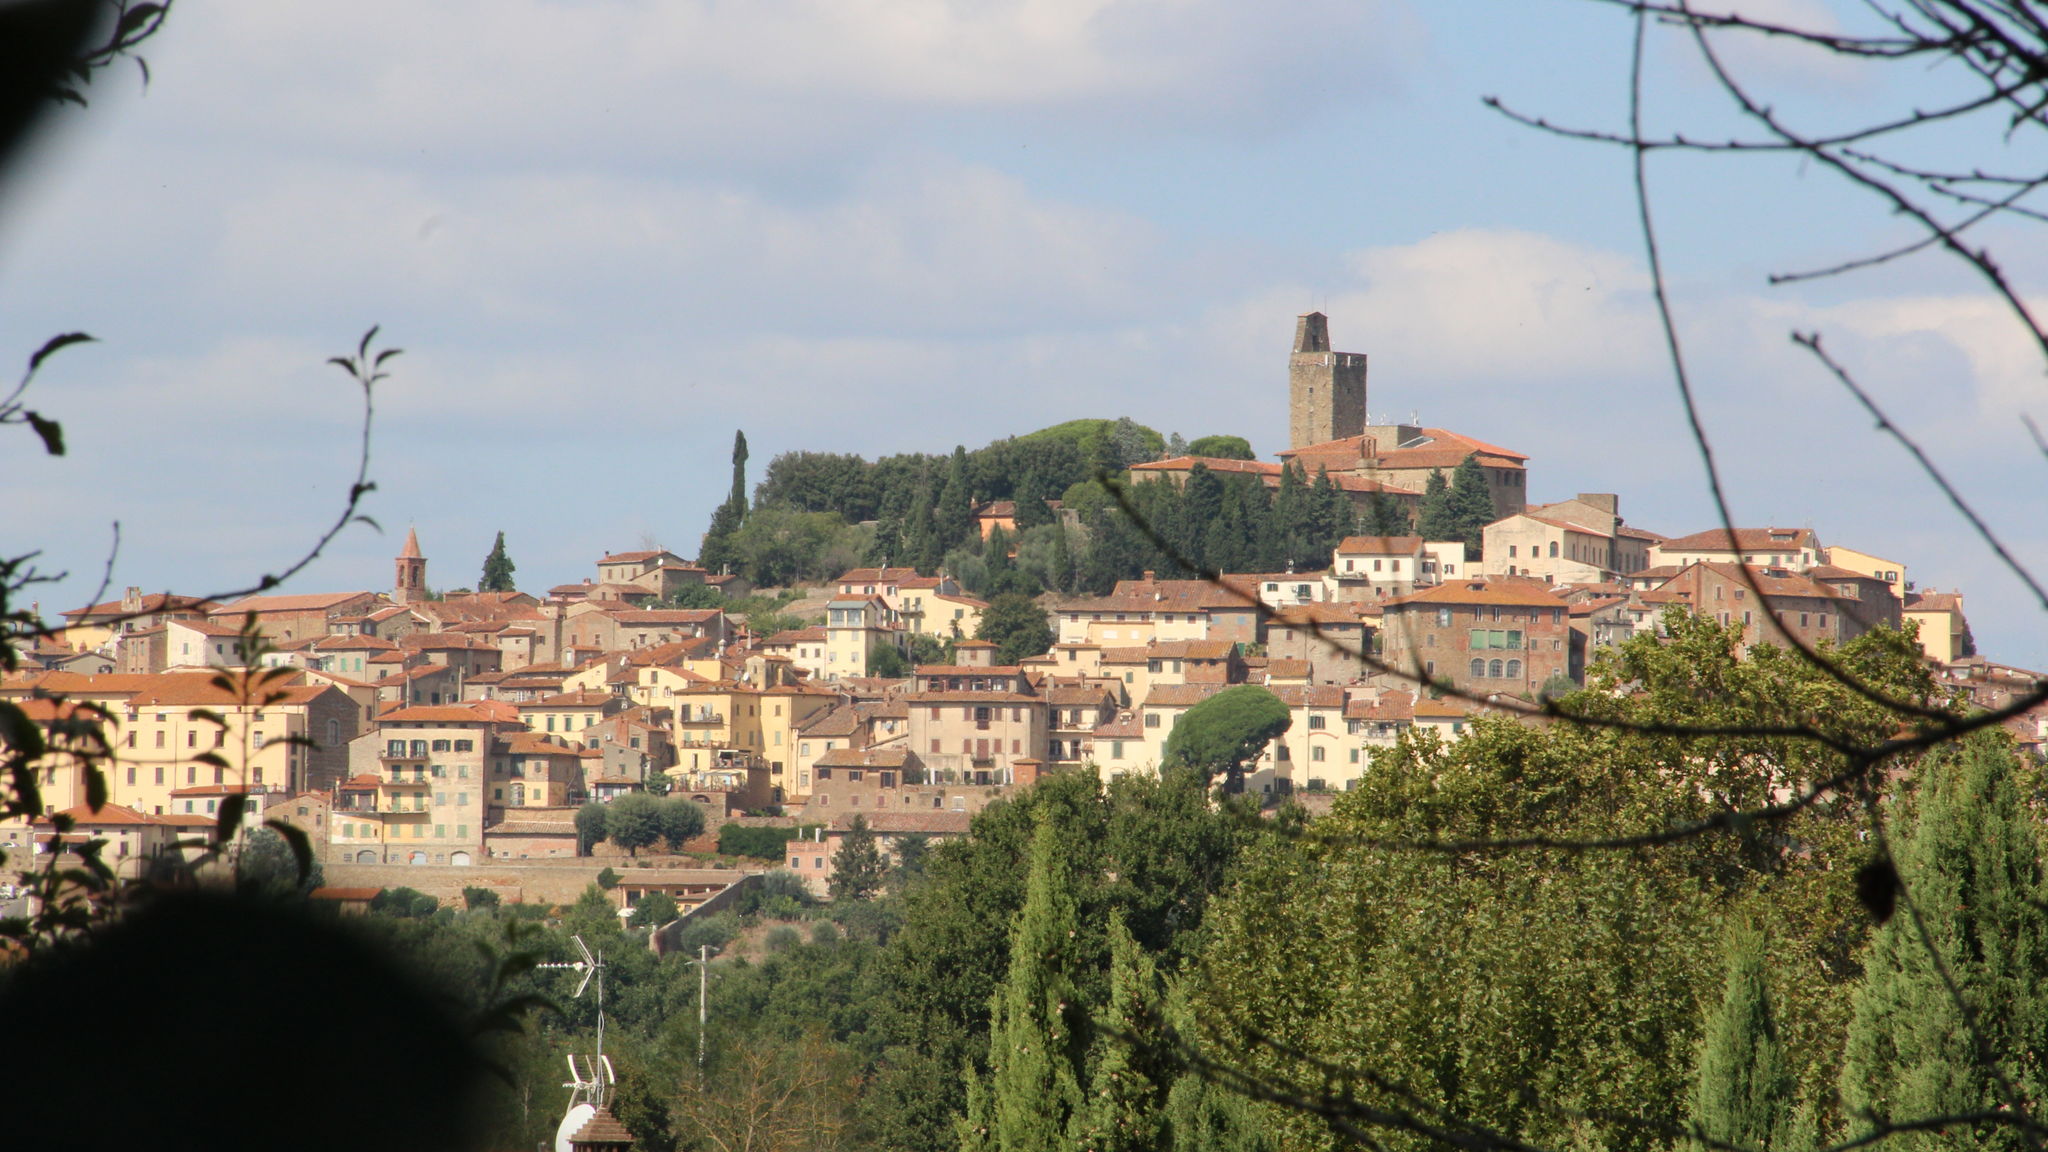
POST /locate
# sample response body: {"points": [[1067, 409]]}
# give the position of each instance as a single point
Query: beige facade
{"points": [[974, 725], [1891, 572], [1794, 549], [1547, 549]]}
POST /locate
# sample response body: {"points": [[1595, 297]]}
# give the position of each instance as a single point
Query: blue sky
{"points": [[607, 234]]}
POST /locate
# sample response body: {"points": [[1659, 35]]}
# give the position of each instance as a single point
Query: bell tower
{"points": [[409, 581], [1326, 390]]}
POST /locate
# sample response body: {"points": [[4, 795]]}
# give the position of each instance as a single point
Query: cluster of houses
{"points": [[411, 729]]}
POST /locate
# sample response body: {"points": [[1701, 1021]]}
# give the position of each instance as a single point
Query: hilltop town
{"points": [[1421, 586]]}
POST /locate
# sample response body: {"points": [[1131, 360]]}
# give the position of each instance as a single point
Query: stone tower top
{"points": [[1312, 332], [1326, 390], [409, 580]]}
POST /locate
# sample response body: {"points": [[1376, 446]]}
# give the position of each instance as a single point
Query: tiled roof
{"points": [[308, 602], [1749, 540], [1502, 592], [1380, 545], [1390, 706], [154, 602], [1180, 695]]}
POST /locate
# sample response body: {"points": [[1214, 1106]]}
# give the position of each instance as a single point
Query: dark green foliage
{"points": [[762, 843], [1038, 1034], [953, 511], [888, 661], [1384, 517], [1743, 1090], [780, 894], [634, 821], [1969, 853], [404, 902], [680, 820], [653, 910], [1471, 505], [498, 568], [858, 868], [1148, 852], [779, 545], [716, 553], [1222, 448], [1437, 521], [476, 899], [1017, 626], [590, 827], [268, 864], [1223, 733], [608, 878]]}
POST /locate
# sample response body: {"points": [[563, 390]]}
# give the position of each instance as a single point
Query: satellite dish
{"points": [[572, 1123]]}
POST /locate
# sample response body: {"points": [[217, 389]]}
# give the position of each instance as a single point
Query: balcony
{"points": [[702, 716]]}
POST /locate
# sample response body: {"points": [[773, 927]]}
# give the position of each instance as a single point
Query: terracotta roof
{"points": [[1381, 545], [1212, 463], [411, 551], [632, 557], [308, 602], [1320, 614], [874, 575], [470, 713], [1125, 726], [154, 602], [1749, 540], [570, 700], [182, 691], [865, 758], [1391, 706], [1432, 448], [1284, 669], [1180, 695], [109, 814], [1501, 592], [1934, 602], [811, 635], [1309, 695]]}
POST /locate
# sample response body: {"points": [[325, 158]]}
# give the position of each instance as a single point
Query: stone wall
{"points": [[528, 881]]}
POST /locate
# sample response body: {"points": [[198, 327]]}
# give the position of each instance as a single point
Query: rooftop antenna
{"points": [[590, 1082]]}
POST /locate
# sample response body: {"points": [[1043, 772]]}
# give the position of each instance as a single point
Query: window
{"points": [[1116, 749], [1443, 617], [1514, 669], [1478, 668], [439, 745], [1315, 754], [1511, 551], [1151, 719], [1496, 670], [465, 746], [1315, 722]]}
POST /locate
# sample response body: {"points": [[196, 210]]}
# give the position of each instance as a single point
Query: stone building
{"points": [[1326, 390]]}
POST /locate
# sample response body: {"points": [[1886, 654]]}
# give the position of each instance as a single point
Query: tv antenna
{"points": [[590, 1080]]}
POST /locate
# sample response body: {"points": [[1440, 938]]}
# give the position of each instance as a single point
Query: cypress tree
{"points": [[1742, 1093], [1293, 518], [1062, 558], [1331, 520], [1127, 1086], [716, 552], [1971, 862], [1036, 1043], [1471, 504], [953, 515], [498, 568], [1437, 522], [858, 868]]}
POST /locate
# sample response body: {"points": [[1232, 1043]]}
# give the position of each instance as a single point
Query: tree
{"points": [[498, 568], [267, 863], [762, 843], [1743, 1091], [1222, 448], [653, 910], [858, 868], [1037, 1037], [1969, 855], [634, 821], [405, 903], [680, 821], [715, 553], [591, 827], [887, 661], [1220, 735], [475, 898], [1017, 626], [1471, 505], [1437, 521], [953, 513], [1128, 1081]]}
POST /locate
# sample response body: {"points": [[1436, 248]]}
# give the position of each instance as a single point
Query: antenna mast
{"points": [[591, 1083]]}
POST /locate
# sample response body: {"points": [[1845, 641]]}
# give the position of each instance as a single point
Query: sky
{"points": [[608, 234]]}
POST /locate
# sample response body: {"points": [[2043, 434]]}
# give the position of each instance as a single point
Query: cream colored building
{"points": [[1891, 572]]}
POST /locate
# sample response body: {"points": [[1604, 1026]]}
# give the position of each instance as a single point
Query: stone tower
{"points": [[1326, 390], [409, 583]]}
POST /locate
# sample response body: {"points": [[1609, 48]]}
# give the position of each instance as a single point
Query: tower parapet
{"points": [[1326, 390]]}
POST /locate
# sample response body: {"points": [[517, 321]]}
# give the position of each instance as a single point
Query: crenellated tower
{"points": [[1326, 390]]}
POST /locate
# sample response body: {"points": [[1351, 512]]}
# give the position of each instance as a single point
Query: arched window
{"points": [[1514, 669], [1553, 549], [1478, 668], [1495, 670]]}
